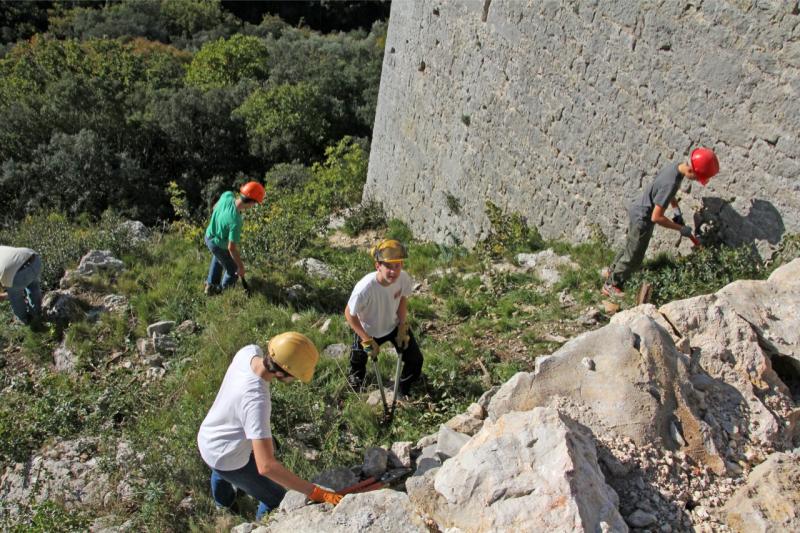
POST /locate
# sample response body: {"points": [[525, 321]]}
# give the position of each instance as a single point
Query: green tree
{"points": [[77, 174], [188, 17], [225, 62], [286, 122]]}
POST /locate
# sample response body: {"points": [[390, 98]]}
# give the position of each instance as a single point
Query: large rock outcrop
{"points": [[562, 110], [384, 510], [527, 471], [618, 380]]}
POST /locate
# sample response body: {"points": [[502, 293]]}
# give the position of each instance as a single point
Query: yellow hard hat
{"points": [[389, 251], [295, 353]]}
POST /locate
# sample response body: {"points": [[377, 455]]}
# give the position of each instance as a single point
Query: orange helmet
{"points": [[253, 190], [704, 164]]}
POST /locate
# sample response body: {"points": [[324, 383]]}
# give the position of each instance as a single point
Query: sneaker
{"points": [[612, 290]]}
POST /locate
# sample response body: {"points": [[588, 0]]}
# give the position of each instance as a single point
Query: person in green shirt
{"points": [[223, 234]]}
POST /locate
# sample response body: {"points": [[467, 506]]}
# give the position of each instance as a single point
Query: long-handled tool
{"points": [[246, 287], [388, 412], [376, 483]]}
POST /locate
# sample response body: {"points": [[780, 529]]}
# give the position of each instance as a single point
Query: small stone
{"points": [[325, 326], [477, 411], [163, 327], [296, 317]]}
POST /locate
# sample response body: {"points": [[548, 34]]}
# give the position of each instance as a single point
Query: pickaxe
{"points": [[376, 483]]}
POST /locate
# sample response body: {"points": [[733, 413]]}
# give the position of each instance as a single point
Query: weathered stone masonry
{"points": [[561, 110]]}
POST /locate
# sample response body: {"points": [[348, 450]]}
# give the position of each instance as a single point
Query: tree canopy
{"points": [[107, 104]]}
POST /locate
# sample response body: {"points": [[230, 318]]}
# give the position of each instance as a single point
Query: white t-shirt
{"points": [[240, 413], [376, 305]]}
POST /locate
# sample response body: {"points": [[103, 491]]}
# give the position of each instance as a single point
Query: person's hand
{"points": [[371, 347], [402, 339], [240, 271], [686, 231], [320, 495]]}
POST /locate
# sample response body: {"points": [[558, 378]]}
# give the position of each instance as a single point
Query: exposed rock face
{"points": [[536, 106], [736, 335], [69, 472], [526, 471], [770, 501], [382, 510], [636, 387]]}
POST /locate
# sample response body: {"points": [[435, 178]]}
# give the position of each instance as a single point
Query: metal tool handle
{"points": [[380, 384]]}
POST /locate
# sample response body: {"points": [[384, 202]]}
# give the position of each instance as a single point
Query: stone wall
{"points": [[561, 111]]}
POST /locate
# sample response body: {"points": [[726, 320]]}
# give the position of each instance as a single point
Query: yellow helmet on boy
{"points": [[389, 251]]}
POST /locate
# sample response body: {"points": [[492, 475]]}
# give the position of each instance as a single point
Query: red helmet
{"points": [[704, 164], [253, 190]]}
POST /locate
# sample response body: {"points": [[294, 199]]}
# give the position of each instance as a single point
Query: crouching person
{"points": [[235, 439]]}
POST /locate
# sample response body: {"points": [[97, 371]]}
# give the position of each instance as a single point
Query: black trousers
{"points": [[411, 357]]}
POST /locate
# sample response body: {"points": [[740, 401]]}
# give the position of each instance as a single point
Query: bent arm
{"points": [[659, 218], [355, 323], [269, 466]]}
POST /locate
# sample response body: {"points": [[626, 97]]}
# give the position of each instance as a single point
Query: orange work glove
{"points": [[318, 494], [402, 338], [371, 347]]}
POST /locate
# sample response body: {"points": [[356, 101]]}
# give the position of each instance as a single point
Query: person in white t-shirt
{"points": [[235, 438], [377, 312]]}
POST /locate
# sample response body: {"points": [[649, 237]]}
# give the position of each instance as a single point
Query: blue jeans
{"points": [[268, 493], [221, 260], [25, 293]]}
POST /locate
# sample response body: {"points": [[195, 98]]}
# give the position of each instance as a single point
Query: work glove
{"points": [[402, 338], [318, 494], [678, 219], [371, 347], [686, 231]]}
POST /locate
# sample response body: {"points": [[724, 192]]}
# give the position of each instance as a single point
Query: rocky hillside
{"points": [[671, 418], [678, 418]]}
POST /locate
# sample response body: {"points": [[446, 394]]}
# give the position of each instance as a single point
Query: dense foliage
{"points": [[115, 101]]}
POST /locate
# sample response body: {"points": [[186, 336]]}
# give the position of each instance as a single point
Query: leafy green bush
{"points": [[45, 517], [61, 243], [291, 219], [788, 250], [509, 234], [366, 216], [703, 271], [286, 122], [397, 229], [225, 62]]}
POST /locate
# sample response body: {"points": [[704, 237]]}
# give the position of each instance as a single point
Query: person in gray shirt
{"points": [[648, 210], [20, 275]]}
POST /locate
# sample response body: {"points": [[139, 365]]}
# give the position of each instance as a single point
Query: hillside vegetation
{"points": [[149, 110]]}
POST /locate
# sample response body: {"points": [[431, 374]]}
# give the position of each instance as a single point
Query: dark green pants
{"points": [[630, 258]]}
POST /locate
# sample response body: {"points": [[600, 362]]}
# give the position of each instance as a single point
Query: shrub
{"points": [[508, 234], [703, 271], [225, 62], [62, 243], [366, 216]]}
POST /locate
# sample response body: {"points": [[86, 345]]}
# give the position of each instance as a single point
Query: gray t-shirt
{"points": [[660, 192]]}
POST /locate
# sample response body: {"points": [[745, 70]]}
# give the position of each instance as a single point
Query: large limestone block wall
{"points": [[561, 111]]}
